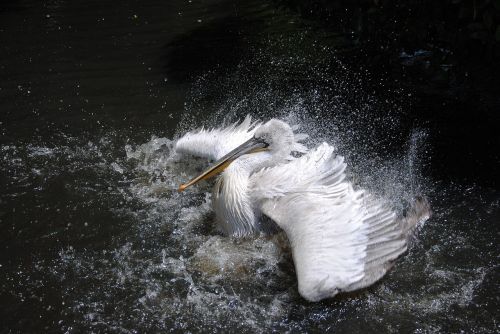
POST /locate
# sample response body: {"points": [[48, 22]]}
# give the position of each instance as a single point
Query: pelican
{"points": [[342, 239]]}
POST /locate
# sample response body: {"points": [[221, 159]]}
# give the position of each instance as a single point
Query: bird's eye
{"points": [[261, 140]]}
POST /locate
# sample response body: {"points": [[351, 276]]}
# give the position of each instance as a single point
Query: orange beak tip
{"points": [[181, 188]]}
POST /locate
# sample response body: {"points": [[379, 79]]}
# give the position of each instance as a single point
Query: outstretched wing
{"points": [[215, 143], [341, 239]]}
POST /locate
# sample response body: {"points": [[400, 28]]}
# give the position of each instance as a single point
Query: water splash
{"points": [[127, 253]]}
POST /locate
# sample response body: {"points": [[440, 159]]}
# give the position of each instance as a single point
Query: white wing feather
{"points": [[215, 143], [341, 239]]}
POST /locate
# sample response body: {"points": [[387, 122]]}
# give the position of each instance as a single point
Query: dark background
{"points": [[93, 240], [446, 52]]}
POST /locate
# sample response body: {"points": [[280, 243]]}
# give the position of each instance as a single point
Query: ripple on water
{"points": [[169, 268], [133, 255]]}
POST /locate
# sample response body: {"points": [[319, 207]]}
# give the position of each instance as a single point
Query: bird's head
{"points": [[275, 137]]}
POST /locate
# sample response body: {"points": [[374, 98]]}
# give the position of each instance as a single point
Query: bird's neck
{"points": [[233, 204]]}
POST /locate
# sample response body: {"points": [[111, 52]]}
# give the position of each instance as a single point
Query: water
{"points": [[95, 236]]}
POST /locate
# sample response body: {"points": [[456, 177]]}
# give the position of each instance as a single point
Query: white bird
{"points": [[341, 239]]}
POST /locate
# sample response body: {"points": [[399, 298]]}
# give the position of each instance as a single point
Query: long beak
{"points": [[252, 145]]}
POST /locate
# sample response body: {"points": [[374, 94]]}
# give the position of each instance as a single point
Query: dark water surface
{"points": [[94, 235]]}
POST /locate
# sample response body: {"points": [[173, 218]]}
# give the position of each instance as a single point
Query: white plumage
{"points": [[341, 239], [215, 143]]}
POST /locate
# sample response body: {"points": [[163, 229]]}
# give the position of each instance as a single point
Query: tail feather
{"points": [[418, 213], [388, 239]]}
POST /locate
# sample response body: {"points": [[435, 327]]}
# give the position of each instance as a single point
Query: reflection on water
{"points": [[95, 235]]}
